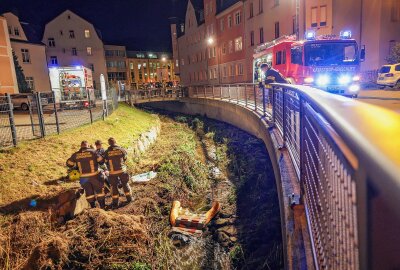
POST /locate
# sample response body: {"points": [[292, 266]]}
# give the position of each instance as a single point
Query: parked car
{"points": [[21, 101], [389, 75]]}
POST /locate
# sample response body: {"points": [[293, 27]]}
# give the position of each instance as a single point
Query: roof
{"points": [[199, 10], [33, 32], [224, 4]]}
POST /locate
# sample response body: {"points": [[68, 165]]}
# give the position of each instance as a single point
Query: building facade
{"points": [[150, 67], [8, 79], [30, 52], [116, 64], [72, 41]]}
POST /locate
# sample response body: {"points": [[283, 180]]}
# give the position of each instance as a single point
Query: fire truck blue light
{"points": [[310, 35], [323, 80], [345, 34], [344, 79]]}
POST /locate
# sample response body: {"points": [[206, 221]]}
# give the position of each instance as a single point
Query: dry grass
{"points": [[25, 170]]}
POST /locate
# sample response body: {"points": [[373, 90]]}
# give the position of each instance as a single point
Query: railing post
{"points": [[11, 118], [273, 104], [90, 109], [284, 115], [238, 96], [55, 112], [40, 114], [255, 98], [229, 92], [263, 95], [205, 89], [197, 91], [213, 94], [245, 94], [220, 90]]}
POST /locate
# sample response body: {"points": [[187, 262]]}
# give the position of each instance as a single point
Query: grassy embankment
{"points": [[34, 167]]}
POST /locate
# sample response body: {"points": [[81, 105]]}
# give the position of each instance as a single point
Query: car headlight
{"points": [[309, 80], [354, 88], [356, 78], [344, 79], [323, 80]]}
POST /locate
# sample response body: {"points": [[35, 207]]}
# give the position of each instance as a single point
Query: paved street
{"points": [[387, 98]]}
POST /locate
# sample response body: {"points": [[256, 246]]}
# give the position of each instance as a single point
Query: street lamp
{"points": [[164, 59], [210, 41]]}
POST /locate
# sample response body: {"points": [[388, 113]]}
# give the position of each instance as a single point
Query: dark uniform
{"points": [[272, 76], [115, 157], [87, 161]]}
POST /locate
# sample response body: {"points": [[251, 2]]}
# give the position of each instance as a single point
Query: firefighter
{"points": [[87, 161], [115, 157], [103, 167], [271, 76]]}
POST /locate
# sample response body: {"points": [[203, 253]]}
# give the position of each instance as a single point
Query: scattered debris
{"points": [[143, 177]]}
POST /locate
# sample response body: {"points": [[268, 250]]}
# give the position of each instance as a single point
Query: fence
{"points": [[345, 178], [31, 116], [144, 95]]}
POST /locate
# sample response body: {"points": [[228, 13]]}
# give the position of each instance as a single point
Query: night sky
{"points": [[137, 24]]}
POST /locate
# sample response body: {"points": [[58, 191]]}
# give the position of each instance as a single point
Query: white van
{"points": [[389, 75]]}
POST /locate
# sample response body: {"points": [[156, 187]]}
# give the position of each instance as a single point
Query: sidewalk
{"points": [[389, 94]]}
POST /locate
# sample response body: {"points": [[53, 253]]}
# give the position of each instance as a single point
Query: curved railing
{"points": [[345, 153]]}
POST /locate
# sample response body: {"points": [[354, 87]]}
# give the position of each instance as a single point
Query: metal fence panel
{"points": [[6, 138]]}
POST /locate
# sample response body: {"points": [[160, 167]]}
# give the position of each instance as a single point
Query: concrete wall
{"points": [[59, 29], [8, 80]]}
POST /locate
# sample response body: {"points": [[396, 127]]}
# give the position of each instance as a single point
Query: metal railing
{"points": [[31, 116], [338, 156], [146, 95]]}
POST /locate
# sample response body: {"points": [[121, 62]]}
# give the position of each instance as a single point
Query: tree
{"points": [[19, 72], [394, 56]]}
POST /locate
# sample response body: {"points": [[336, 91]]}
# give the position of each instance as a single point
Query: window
{"points": [[53, 60], [91, 66], [314, 22], [232, 70], [74, 52], [63, 50], [261, 35], [238, 44], [297, 55], [252, 38], [30, 82], [225, 72], [238, 17], [52, 42], [276, 3], [230, 46], [224, 48], [251, 10], [61, 32], [240, 69], [323, 19], [222, 26], [182, 62], [26, 58], [260, 6], [71, 34], [87, 33], [277, 34], [69, 17], [397, 68], [9, 30], [229, 21], [284, 57], [278, 58], [215, 73], [294, 25], [89, 50], [395, 14], [16, 31]]}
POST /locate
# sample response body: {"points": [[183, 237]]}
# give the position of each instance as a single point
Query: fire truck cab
{"points": [[328, 63]]}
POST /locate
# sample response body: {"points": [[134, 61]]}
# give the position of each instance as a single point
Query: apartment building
{"points": [[72, 41], [150, 67], [8, 79], [30, 52], [116, 63]]}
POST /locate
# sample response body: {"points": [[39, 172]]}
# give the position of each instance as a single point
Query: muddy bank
{"points": [[198, 161]]}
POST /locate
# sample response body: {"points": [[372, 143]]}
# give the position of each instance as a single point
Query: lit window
{"points": [[238, 17], [229, 21], [323, 18], [16, 31], [74, 51], [53, 60], [26, 58], [87, 34], [51, 42], [238, 44], [314, 22], [89, 50], [71, 34], [30, 82]]}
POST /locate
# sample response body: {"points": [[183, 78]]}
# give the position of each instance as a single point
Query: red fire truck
{"points": [[327, 62]]}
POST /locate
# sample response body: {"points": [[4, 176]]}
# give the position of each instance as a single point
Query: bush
{"points": [[394, 56]]}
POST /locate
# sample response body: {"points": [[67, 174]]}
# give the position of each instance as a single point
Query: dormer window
{"points": [[16, 31], [69, 17], [10, 30]]}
